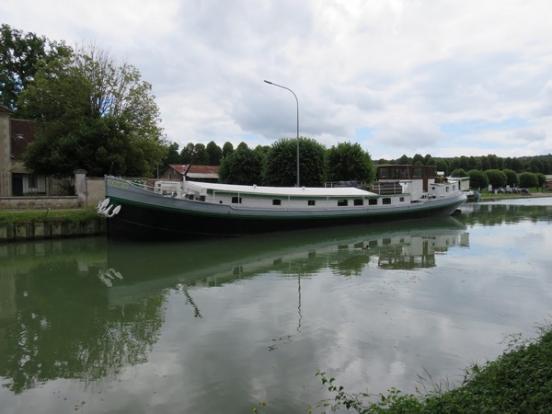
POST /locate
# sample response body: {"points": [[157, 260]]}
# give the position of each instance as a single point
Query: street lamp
{"points": [[297, 101]]}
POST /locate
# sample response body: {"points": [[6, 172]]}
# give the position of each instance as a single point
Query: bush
{"points": [[459, 172], [496, 178], [511, 177], [528, 180], [478, 179]]}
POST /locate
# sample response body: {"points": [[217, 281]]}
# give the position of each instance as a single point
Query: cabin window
{"points": [[401, 199], [236, 200], [358, 202], [373, 201], [190, 196], [276, 202], [311, 202], [386, 200], [342, 203], [201, 198], [446, 188]]}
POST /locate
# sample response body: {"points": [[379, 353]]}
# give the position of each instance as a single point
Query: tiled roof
{"points": [[195, 169]]}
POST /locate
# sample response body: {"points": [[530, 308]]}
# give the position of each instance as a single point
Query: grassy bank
{"points": [[505, 196], [519, 381], [28, 216]]}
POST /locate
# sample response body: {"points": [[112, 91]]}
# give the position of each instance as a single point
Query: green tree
{"points": [[171, 156], [348, 161], [214, 153], [459, 172], [187, 153], [496, 178], [227, 149], [242, 145], [528, 180], [281, 163], [442, 165], [418, 159], [200, 155], [541, 178], [404, 160], [511, 177], [478, 179], [94, 114], [21, 56], [243, 166]]}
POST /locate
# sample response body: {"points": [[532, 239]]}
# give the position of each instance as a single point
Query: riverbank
{"points": [[16, 225], [505, 196], [519, 381]]}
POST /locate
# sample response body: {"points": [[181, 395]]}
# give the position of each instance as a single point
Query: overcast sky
{"points": [[397, 76]]}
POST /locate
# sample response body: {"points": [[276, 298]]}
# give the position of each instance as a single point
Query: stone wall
{"points": [[95, 189], [51, 229], [38, 202]]}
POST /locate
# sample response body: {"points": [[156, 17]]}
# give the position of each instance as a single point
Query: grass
{"points": [[533, 192], [519, 381], [26, 216]]}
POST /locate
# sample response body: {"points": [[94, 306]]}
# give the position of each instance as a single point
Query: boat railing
{"points": [[387, 187]]}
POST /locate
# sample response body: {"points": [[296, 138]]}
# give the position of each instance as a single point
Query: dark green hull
{"points": [[136, 221]]}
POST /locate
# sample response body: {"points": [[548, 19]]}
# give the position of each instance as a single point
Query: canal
{"points": [[214, 326]]}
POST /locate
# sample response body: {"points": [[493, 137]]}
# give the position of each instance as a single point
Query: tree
{"points": [[442, 165], [459, 172], [171, 156], [187, 153], [227, 149], [94, 114], [281, 163], [200, 155], [404, 160], [496, 178], [478, 179], [243, 166], [348, 161], [21, 55], [528, 180], [511, 177], [541, 179], [418, 159], [214, 153], [242, 145]]}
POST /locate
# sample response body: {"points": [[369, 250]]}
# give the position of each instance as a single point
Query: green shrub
{"points": [[496, 178], [478, 179], [511, 177], [459, 172], [528, 180]]}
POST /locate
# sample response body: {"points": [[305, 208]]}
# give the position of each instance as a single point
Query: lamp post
{"points": [[297, 102]]}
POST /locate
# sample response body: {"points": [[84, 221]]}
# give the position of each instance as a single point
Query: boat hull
{"points": [[147, 215]]}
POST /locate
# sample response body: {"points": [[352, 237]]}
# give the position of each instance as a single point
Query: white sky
{"points": [[445, 77]]}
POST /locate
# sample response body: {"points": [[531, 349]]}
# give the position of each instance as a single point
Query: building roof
{"points": [[195, 169], [22, 134], [282, 191]]}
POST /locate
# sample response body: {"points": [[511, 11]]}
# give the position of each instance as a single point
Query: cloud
{"points": [[399, 68]]}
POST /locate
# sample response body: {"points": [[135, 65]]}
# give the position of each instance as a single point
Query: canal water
{"points": [[218, 326]]}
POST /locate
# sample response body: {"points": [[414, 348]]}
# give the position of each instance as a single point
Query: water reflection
{"points": [[84, 309]]}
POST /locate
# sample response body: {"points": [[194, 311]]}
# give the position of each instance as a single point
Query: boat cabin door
{"points": [[425, 183]]}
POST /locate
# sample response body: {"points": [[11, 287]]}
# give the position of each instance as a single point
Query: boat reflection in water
{"points": [[84, 309]]}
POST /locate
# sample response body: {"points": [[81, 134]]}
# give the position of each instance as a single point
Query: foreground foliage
{"points": [[519, 381]]}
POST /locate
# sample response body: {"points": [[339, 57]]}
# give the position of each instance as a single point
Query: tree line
{"points": [[535, 164], [276, 164]]}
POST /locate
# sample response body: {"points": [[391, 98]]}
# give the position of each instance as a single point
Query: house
{"points": [[15, 179], [204, 173]]}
